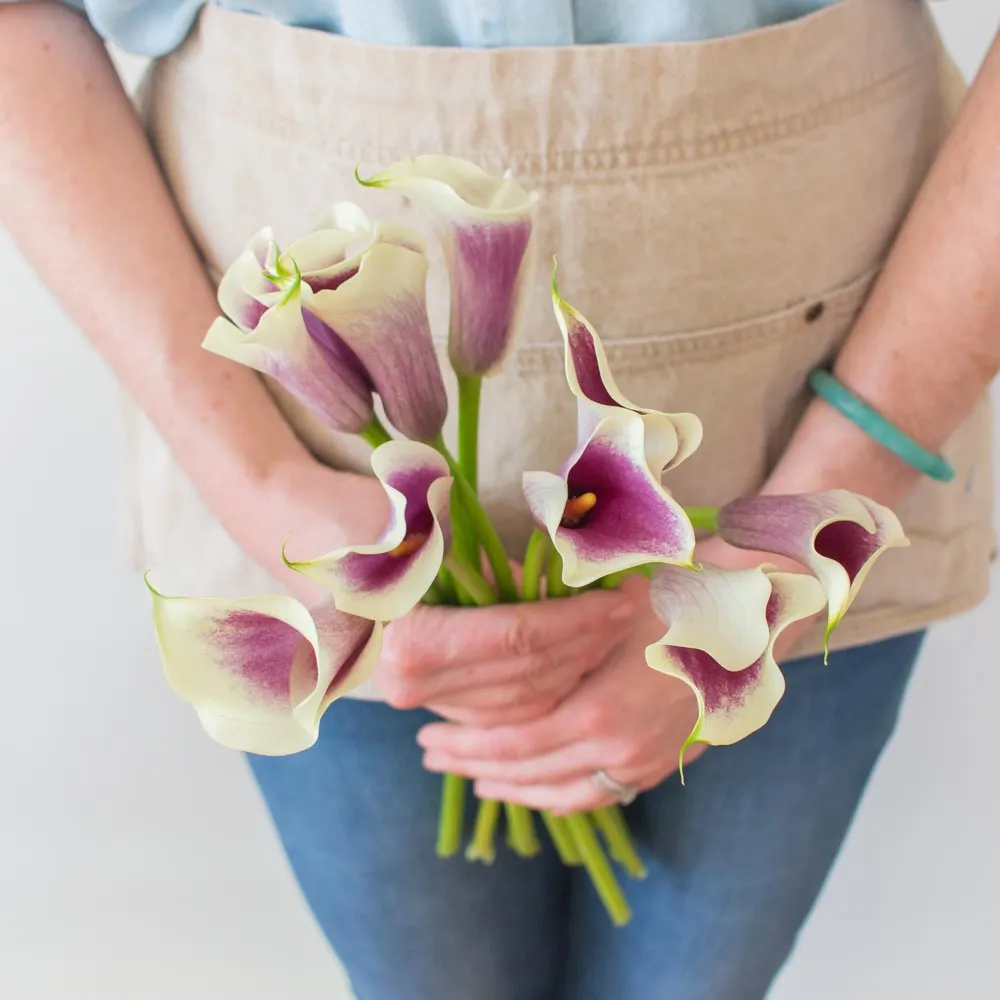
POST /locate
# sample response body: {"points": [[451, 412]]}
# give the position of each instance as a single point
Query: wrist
{"points": [[307, 507], [829, 452]]}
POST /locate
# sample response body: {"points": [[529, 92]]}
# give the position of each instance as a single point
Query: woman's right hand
{"points": [[313, 508], [504, 664]]}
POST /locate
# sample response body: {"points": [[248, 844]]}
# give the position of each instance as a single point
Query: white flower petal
{"points": [[245, 292], [261, 671], [455, 188], [282, 347], [732, 704], [673, 437], [722, 612], [374, 581], [381, 314]]}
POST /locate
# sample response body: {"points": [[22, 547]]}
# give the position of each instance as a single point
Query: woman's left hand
{"points": [[623, 718]]}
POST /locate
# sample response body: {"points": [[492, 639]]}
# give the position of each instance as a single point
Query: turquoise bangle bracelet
{"points": [[878, 428]]}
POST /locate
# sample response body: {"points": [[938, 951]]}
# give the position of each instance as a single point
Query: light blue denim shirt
{"points": [[154, 27]]}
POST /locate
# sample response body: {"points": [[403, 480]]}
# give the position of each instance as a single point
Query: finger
{"points": [[578, 795], [437, 638], [491, 718], [504, 742], [536, 672], [498, 697], [568, 763], [580, 717]]}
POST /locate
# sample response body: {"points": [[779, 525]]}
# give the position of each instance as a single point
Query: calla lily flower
{"points": [[380, 313], [608, 512], [838, 535], [260, 672], [334, 328], [245, 291], [670, 437], [387, 579], [289, 345], [722, 627], [486, 225]]}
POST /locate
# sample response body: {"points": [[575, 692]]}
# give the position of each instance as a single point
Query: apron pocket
{"points": [[746, 381]]}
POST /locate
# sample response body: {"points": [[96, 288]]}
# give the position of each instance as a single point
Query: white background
{"points": [[136, 860]]}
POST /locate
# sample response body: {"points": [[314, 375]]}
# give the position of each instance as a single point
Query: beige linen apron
{"points": [[719, 210]]}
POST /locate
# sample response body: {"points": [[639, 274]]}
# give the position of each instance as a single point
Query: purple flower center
{"points": [[376, 572], [722, 690], [849, 544]]}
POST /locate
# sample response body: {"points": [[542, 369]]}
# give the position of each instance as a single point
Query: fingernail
{"points": [[622, 612]]}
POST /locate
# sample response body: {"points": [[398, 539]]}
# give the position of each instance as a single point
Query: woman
{"points": [[721, 209]]}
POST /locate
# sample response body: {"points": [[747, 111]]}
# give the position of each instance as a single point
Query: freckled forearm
{"points": [[81, 194], [927, 344]]}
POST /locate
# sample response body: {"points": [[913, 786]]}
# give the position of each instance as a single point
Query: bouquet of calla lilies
{"points": [[341, 318]]}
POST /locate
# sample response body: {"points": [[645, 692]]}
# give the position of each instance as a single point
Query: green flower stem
{"points": [[534, 563], [482, 847], [611, 822], [446, 585], [473, 583], [452, 816], [554, 586], [484, 529], [375, 433], [469, 393], [453, 791], [703, 518], [521, 836], [598, 868], [562, 839]]}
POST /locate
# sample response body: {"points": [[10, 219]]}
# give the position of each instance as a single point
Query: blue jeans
{"points": [[736, 858]]}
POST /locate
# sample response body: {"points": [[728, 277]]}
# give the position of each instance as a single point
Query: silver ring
{"points": [[625, 794]]}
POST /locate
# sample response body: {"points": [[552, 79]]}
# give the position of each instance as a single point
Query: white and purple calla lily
{"points": [[387, 579], [608, 511], [288, 345], [486, 225], [721, 629], [838, 535], [246, 291], [380, 312], [670, 437], [260, 672], [334, 327]]}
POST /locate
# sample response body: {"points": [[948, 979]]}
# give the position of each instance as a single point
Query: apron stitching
{"points": [[628, 354], [706, 145]]}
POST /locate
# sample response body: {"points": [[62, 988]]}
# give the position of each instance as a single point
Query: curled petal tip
{"points": [[386, 579], [261, 671], [837, 535]]}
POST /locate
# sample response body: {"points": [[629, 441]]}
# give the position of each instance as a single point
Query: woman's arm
{"points": [[81, 194], [927, 344]]}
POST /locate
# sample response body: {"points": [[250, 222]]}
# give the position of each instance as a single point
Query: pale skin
{"points": [[538, 697]]}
